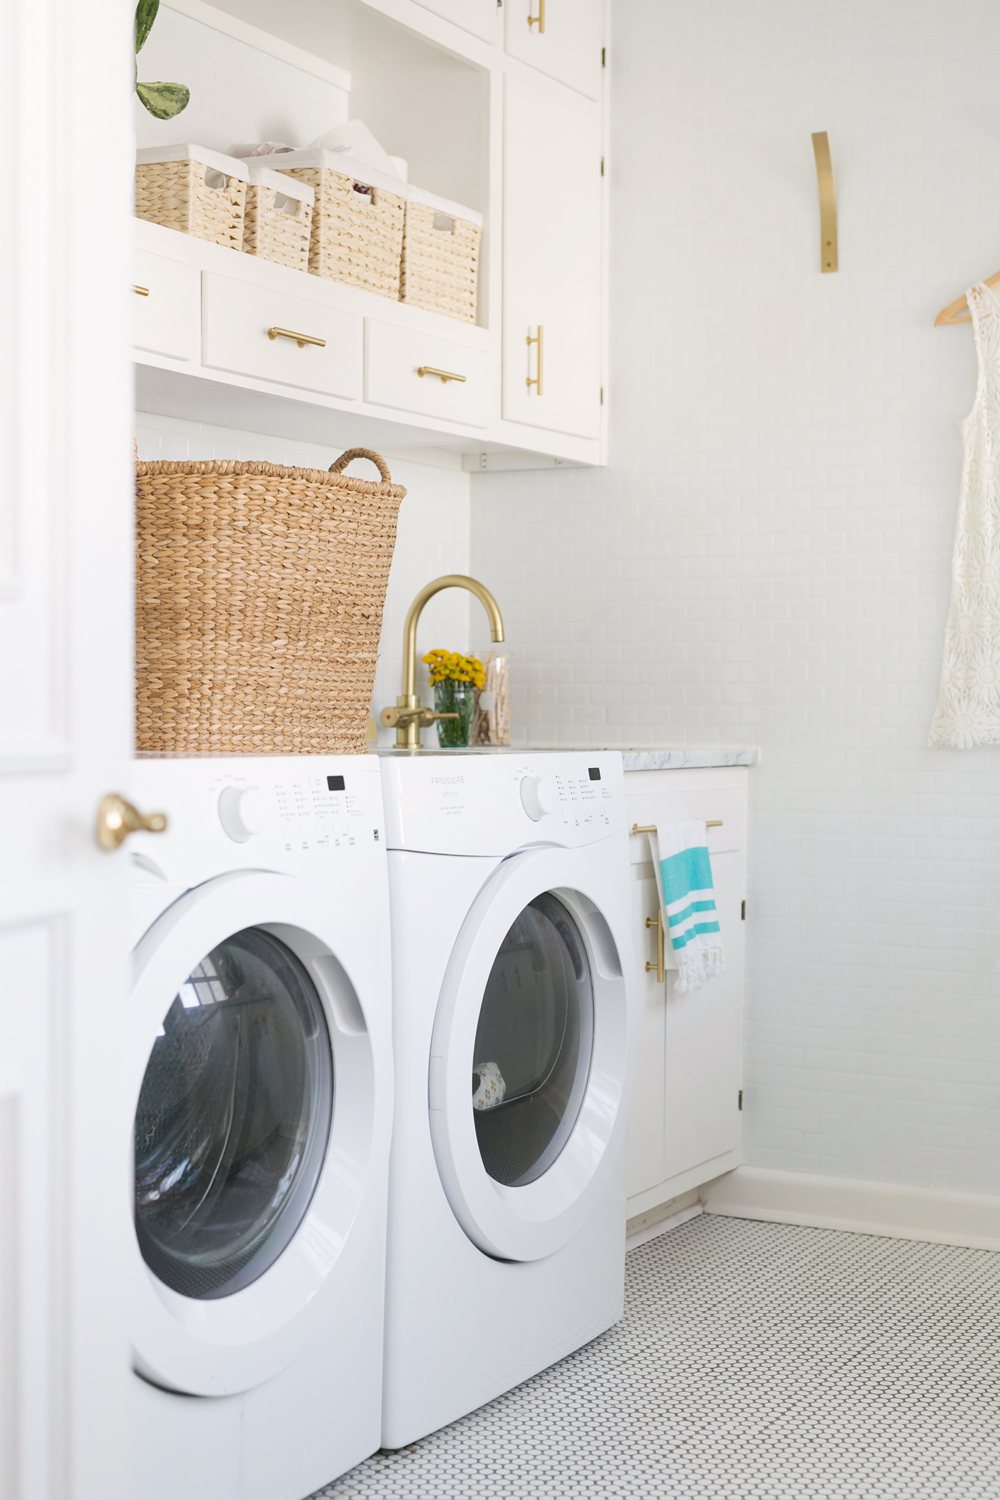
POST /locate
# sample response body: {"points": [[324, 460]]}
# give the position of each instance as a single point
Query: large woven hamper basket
{"points": [[259, 597]]}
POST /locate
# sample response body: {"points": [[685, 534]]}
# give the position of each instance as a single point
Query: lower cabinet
{"points": [[686, 1104]]}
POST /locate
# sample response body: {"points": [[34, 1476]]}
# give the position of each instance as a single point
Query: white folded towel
{"points": [[687, 895]]}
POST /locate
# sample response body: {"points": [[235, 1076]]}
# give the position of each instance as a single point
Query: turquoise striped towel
{"points": [[690, 915]]}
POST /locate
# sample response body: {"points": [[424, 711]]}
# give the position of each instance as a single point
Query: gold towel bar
{"points": [[651, 827]]}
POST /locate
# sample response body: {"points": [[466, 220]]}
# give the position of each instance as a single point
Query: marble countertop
{"points": [[690, 758], [683, 758]]}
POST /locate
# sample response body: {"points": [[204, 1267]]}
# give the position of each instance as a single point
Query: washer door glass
{"points": [[533, 1044], [233, 1118]]}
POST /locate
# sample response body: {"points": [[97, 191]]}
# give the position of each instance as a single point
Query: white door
{"points": [[477, 16], [533, 1013], [65, 732], [552, 259], [560, 37]]}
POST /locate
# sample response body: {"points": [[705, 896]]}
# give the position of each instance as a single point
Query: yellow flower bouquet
{"points": [[456, 679]]}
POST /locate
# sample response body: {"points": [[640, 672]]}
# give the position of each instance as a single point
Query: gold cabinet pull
{"points": [[539, 339], [443, 375], [117, 818], [140, 291], [660, 966], [302, 339], [538, 20]]}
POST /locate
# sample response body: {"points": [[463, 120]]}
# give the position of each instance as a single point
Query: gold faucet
{"points": [[409, 716]]}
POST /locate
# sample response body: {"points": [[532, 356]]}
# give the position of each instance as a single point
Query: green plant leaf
{"points": [[164, 100], [145, 15]]}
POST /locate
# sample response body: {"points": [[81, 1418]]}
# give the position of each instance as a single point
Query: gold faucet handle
{"points": [[392, 717]]}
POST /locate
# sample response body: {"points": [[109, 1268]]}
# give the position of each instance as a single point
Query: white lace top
{"points": [[968, 710]]}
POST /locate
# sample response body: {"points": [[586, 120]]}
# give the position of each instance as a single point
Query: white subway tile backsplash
{"points": [[766, 560]]}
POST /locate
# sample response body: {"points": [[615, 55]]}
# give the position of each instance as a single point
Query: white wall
{"points": [[766, 559], [433, 536]]}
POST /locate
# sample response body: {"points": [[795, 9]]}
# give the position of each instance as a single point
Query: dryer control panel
{"points": [[496, 804]]}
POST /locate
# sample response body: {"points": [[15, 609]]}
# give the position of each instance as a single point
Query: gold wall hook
{"points": [[117, 818], [827, 202]]}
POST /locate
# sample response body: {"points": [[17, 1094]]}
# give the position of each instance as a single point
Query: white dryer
{"points": [[260, 1046], [509, 894]]}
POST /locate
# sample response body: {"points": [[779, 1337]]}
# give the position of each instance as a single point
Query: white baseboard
{"points": [[640, 1236], [907, 1213]]}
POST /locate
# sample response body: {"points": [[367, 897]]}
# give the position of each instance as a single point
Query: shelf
{"points": [[189, 389]]}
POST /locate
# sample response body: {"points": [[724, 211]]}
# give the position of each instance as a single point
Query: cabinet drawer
{"points": [[251, 331], [166, 312], [665, 804], [394, 359]]}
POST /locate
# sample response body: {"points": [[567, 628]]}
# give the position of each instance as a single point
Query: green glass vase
{"points": [[454, 698]]}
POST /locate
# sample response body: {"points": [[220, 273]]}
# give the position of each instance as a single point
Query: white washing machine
{"points": [[509, 894], [260, 1044]]}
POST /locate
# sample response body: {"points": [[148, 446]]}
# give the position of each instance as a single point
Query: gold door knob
{"points": [[117, 818]]}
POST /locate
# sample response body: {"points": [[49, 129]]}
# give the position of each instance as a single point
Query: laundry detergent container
{"points": [[259, 597]]}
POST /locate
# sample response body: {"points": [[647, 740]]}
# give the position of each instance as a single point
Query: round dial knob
{"points": [[537, 796], [241, 812]]}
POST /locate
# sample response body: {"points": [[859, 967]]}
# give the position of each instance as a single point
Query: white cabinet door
{"points": [[686, 1119], [560, 37], [552, 259], [703, 1048], [477, 16], [688, 1056], [65, 737]]}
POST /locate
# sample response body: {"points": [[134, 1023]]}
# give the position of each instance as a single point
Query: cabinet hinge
{"points": [[743, 910], [602, 166], [602, 395], [739, 1099], [604, 57]]}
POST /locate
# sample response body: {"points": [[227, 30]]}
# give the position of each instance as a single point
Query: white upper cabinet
{"points": [[477, 16], [560, 37], [551, 259]]}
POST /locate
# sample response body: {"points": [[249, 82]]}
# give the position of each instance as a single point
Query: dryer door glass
{"points": [[533, 1044], [233, 1118]]}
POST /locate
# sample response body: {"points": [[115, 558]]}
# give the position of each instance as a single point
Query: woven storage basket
{"points": [[357, 227], [192, 189], [440, 256], [259, 596], [278, 218]]}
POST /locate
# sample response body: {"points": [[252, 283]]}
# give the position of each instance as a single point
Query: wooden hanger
{"points": [[958, 311]]}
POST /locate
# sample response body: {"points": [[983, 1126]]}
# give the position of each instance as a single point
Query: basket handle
{"points": [[369, 453]]}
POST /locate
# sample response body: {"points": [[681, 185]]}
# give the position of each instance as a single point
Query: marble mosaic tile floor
{"points": [[754, 1362]]}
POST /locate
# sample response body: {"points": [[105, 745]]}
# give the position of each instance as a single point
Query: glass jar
{"points": [[458, 698]]}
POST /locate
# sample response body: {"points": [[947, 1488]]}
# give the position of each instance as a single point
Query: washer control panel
{"points": [[301, 813], [578, 796], [281, 812]]}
